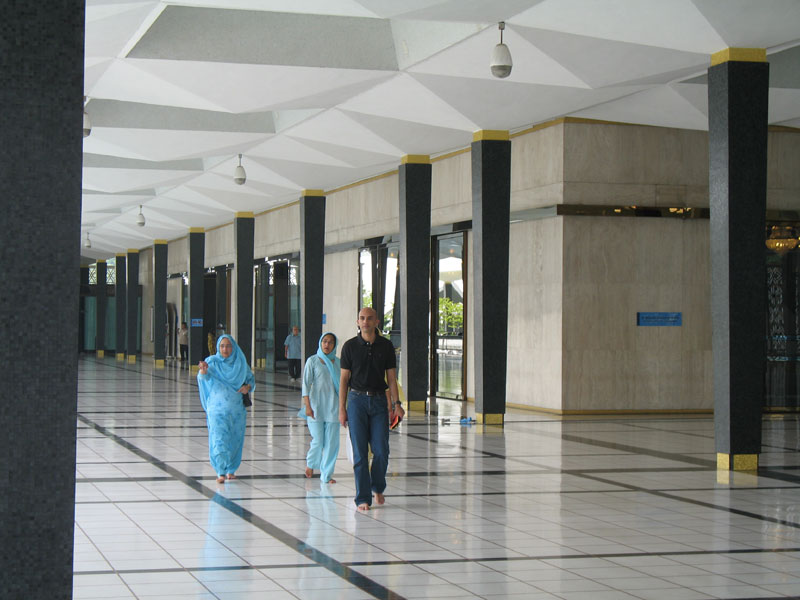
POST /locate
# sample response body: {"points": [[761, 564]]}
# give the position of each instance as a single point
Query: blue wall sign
{"points": [[324, 318], [197, 322], [659, 319]]}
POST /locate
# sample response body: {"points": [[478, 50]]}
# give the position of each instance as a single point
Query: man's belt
{"points": [[369, 392]]}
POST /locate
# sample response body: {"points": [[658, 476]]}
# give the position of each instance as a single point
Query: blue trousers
{"points": [[324, 448], [368, 421]]}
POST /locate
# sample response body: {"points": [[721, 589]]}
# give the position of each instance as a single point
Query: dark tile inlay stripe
{"points": [[353, 577]]}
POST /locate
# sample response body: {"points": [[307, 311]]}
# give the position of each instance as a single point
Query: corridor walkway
{"points": [[547, 508]]}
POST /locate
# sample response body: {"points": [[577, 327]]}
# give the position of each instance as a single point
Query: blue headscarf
{"points": [[328, 359], [232, 371]]}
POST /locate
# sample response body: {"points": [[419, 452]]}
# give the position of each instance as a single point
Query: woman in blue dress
{"points": [[321, 408], [222, 379]]}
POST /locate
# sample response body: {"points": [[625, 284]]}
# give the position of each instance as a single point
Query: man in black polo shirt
{"points": [[368, 363]]}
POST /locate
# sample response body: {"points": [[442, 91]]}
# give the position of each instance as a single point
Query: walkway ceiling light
{"points": [[239, 176], [140, 221], [87, 243], [782, 239], [501, 57], [87, 123]]}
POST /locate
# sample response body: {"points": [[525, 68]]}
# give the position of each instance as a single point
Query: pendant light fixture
{"points": [[239, 176], [140, 221], [501, 57], [87, 243], [87, 123]]}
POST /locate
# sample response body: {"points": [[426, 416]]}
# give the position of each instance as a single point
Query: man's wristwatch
{"points": [[398, 404]]}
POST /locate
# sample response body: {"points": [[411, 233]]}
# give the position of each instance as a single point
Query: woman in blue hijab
{"points": [[321, 408], [222, 379]]}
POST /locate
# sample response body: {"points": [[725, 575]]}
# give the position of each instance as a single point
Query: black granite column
{"points": [[312, 268], [491, 201], [85, 293], [197, 256], [132, 304], [244, 240], [160, 249], [738, 83], [121, 301], [41, 86], [102, 304], [415, 267], [222, 296]]}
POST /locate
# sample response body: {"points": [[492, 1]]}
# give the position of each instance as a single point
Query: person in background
{"points": [[183, 340], [321, 408], [292, 351], [222, 380]]}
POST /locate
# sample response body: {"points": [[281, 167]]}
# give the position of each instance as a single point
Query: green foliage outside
{"points": [[451, 317]]}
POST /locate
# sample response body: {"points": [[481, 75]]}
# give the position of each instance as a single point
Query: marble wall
{"points": [[219, 248], [537, 167], [340, 297], [783, 174], [534, 372], [363, 211], [614, 268], [146, 270]]}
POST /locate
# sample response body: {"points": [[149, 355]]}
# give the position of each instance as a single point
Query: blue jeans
{"points": [[368, 422]]}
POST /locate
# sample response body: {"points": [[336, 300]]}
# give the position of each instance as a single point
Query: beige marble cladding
{"points": [[146, 270], [178, 255], [606, 163], [451, 189], [614, 268], [277, 231], [534, 376], [340, 298], [219, 246], [537, 167], [363, 211]]}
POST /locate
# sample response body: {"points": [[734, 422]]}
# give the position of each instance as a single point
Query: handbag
{"points": [[246, 399]]}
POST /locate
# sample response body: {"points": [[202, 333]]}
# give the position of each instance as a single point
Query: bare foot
{"points": [[379, 498], [331, 481], [231, 476], [309, 472], [363, 507], [221, 479]]}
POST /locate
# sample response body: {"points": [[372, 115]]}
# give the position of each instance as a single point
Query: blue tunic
{"points": [[318, 386]]}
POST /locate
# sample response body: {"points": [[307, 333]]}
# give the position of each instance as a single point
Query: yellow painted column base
{"points": [[132, 359], [120, 357], [159, 363], [489, 418], [417, 405], [101, 354], [194, 369], [737, 462]]}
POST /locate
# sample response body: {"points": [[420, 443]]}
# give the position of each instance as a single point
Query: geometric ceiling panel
{"points": [[404, 98], [416, 138], [120, 180], [661, 106], [507, 105], [259, 87], [748, 24], [335, 127], [202, 34], [676, 24], [601, 62], [158, 145], [286, 148], [473, 11]]}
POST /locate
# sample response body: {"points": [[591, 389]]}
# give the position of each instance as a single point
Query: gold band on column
{"points": [[159, 363], [100, 354], [739, 55], [132, 359], [417, 405], [489, 418], [121, 356], [194, 369], [737, 462]]}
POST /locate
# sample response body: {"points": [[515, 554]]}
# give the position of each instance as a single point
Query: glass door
{"points": [[448, 295]]}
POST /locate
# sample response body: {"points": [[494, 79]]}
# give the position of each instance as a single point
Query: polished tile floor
{"points": [[595, 509]]}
